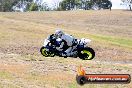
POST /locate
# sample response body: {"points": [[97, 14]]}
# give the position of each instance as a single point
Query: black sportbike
{"points": [[82, 50]]}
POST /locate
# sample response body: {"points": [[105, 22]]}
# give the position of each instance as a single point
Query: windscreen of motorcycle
{"points": [[46, 42]]}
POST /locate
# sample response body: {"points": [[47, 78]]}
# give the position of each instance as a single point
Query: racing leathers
{"points": [[71, 43]]}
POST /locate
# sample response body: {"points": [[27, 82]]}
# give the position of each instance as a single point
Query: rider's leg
{"points": [[73, 51], [70, 51]]}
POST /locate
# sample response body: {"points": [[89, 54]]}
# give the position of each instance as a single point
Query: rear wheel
{"points": [[87, 54], [46, 53]]}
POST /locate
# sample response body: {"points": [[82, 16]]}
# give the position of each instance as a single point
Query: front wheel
{"points": [[87, 53], [46, 53]]}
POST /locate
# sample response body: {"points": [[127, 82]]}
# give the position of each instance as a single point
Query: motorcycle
{"points": [[82, 50]]}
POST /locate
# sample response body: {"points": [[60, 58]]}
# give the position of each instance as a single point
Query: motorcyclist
{"points": [[60, 44], [70, 41]]}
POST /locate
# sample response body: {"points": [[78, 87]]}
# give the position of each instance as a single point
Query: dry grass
{"points": [[22, 34]]}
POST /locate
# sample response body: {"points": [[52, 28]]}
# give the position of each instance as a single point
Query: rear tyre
{"points": [[87, 54]]}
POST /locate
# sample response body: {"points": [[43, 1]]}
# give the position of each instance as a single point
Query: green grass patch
{"points": [[119, 41], [114, 40], [5, 75], [73, 85]]}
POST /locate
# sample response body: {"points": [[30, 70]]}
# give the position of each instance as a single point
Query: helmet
{"points": [[59, 33]]}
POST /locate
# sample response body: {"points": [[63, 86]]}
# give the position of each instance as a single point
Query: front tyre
{"points": [[46, 53], [87, 54]]}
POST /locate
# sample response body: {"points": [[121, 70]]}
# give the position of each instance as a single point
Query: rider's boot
{"points": [[64, 55], [72, 54]]}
